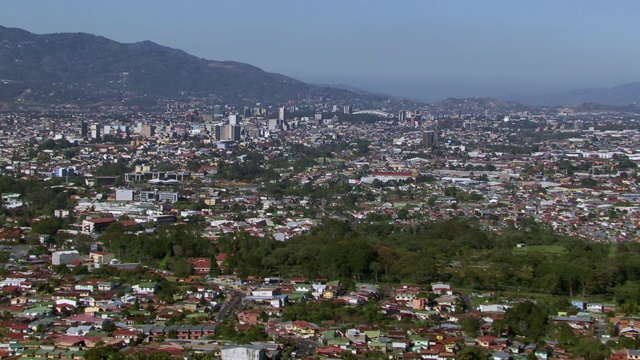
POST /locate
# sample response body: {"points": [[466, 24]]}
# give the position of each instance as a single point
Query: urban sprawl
{"points": [[77, 181]]}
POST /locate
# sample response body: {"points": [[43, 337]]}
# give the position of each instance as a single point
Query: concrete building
{"points": [[96, 225], [429, 138], [147, 131], [161, 196], [64, 257], [84, 130], [242, 352], [63, 172], [235, 119], [101, 257], [95, 131], [124, 195], [275, 124]]}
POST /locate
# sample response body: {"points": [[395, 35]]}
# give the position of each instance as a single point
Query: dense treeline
{"points": [[457, 251], [39, 199], [168, 247]]}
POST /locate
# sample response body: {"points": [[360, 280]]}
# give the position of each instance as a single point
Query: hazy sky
{"points": [[428, 49]]}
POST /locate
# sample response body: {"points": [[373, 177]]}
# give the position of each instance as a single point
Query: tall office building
{"points": [[274, 124], [216, 132], [147, 130], [234, 119], [402, 116], [234, 132], [217, 111], [95, 131], [282, 113], [346, 109], [428, 138], [230, 132], [84, 129]]}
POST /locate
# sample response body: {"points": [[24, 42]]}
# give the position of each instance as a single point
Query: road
{"points": [[230, 305], [304, 347]]}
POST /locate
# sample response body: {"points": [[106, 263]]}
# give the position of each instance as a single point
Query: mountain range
{"points": [[87, 68], [90, 69], [619, 95]]}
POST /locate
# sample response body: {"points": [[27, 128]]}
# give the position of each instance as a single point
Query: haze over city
{"points": [[426, 50]]}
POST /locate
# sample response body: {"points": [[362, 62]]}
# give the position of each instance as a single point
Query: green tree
{"points": [[182, 268], [109, 327], [472, 353], [527, 319], [470, 325], [104, 353], [590, 349]]}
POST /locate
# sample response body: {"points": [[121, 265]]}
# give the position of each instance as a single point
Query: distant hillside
{"points": [[476, 104], [619, 95], [590, 107], [87, 68]]}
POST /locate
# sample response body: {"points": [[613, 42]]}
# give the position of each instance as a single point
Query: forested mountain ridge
{"points": [[89, 68]]}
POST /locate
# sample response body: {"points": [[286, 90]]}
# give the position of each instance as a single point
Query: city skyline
{"points": [[420, 50]]}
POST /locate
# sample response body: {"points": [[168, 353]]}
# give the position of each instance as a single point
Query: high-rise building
{"points": [[84, 129], [275, 124], [230, 132], [428, 138], [217, 111], [402, 116], [346, 109], [234, 132], [95, 131], [282, 113], [216, 132], [234, 119], [147, 130]]}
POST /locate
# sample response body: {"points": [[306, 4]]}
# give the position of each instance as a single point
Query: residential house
{"points": [[486, 341], [633, 354], [145, 288], [303, 329], [201, 266], [129, 336]]}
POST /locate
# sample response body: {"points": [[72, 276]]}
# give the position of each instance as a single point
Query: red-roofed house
{"points": [[69, 340], [486, 341], [201, 266], [221, 258]]}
